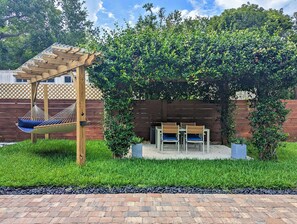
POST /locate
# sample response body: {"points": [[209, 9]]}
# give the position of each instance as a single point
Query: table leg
{"points": [[208, 140], [156, 137]]}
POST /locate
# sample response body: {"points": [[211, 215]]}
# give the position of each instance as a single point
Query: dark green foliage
{"points": [[29, 26], [136, 140], [239, 140], [118, 123], [267, 121], [138, 62], [270, 75], [253, 17], [168, 58]]}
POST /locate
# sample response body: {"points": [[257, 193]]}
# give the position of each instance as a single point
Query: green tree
{"points": [[253, 17], [185, 60], [29, 26]]}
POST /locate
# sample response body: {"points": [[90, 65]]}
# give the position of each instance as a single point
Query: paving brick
{"points": [[274, 221], [148, 208], [94, 219], [133, 219]]}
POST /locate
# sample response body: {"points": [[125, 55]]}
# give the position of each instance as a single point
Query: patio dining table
{"points": [[158, 132]]}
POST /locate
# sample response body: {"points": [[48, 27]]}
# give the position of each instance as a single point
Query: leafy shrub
{"points": [[267, 121], [239, 140], [136, 140]]}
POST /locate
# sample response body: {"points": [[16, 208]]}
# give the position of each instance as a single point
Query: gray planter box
{"points": [[137, 151], [238, 151]]}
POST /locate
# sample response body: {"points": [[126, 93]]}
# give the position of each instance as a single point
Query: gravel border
{"points": [[131, 189]]}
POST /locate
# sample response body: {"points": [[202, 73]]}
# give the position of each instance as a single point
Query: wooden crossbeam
{"points": [[54, 63], [68, 56], [49, 55], [75, 50], [90, 60], [30, 71], [22, 75], [46, 65], [53, 67], [63, 48], [67, 49], [35, 69]]}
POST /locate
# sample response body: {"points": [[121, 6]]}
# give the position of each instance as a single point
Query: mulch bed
{"points": [[133, 190]]}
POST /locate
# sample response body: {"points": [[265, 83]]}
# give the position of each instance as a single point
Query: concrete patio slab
{"points": [[6, 143], [170, 152]]}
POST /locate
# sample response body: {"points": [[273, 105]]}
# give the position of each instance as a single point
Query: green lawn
{"points": [[52, 163]]}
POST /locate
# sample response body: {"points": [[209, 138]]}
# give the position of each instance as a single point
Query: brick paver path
{"points": [[148, 208]]}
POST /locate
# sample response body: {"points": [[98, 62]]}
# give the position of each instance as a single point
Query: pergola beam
{"points": [[54, 62]]}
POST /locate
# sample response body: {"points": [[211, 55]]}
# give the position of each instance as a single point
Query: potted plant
{"points": [[136, 147], [238, 148]]}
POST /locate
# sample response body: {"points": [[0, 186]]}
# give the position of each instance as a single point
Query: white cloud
{"points": [[289, 6], [195, 4], [156, 9], [198, 10], [131, 16], [94, 6], [111, 15], [137, 6], [186, 14]]}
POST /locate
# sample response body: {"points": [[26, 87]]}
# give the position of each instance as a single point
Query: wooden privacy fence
{"points": [[151, 112], [15, 102], [146, 114], [242, 122], [11, 109]]}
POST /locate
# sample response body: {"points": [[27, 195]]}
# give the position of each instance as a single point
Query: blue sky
{"points": [[104, 13]]}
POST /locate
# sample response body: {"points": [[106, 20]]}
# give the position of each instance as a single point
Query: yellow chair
{"points": [[195, 135], [168, 123], [170, 133]]}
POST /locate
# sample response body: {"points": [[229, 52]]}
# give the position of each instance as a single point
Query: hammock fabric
{"points": [[33, 122]]}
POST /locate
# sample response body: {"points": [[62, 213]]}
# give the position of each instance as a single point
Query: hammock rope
{"points": [[65, 116], [35, 114], [63, 122]]}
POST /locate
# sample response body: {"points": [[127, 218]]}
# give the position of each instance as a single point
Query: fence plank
{"points": [[10, 110]]}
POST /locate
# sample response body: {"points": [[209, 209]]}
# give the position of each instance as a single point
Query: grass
{"points": [[52, 163]]}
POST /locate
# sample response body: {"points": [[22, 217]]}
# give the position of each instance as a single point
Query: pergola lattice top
{"points": [[55, 61]]}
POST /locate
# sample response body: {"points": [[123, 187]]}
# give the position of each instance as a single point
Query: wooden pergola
{"points": [[56, 61]]}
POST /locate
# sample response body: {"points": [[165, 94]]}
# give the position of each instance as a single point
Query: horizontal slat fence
{"points": [[11, 109], [149, 113], [242, 123], [290, 125], [146, 114], [152, 112]]}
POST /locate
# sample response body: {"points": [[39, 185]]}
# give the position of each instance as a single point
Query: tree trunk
{"points": [[224, 106]]}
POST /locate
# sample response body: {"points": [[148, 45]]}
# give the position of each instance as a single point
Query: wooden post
{"points": [[45, 101], [295, 92], [80, 116], [33, 98]]}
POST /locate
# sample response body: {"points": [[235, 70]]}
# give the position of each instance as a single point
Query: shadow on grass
{"points": [[56, 153]]}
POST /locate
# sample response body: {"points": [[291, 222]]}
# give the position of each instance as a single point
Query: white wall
{"points": [[6, 76]]}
